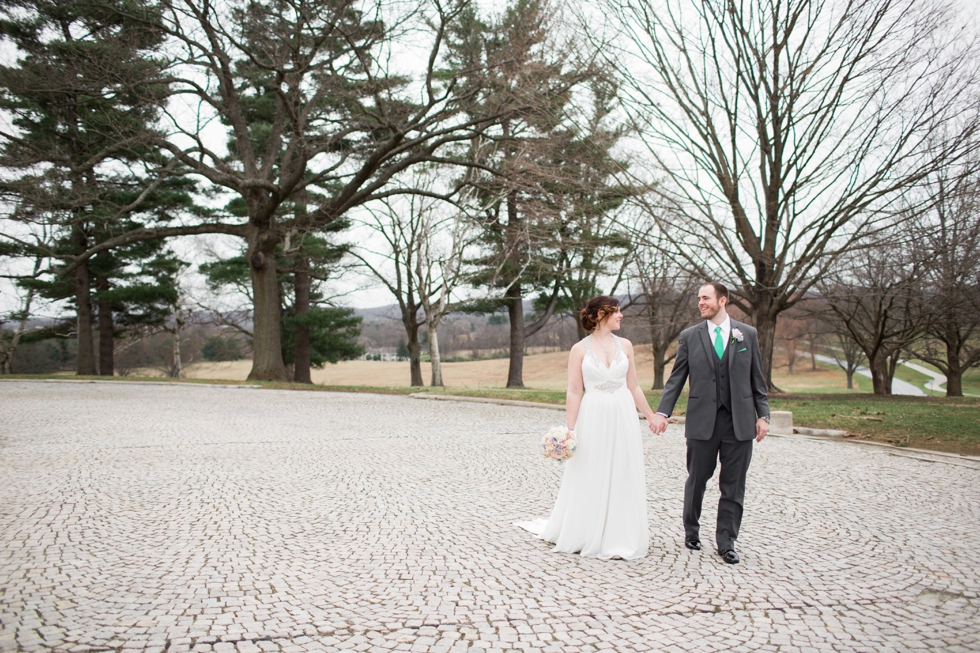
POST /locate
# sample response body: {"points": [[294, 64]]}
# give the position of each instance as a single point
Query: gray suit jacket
{"points": [[696, 358]]}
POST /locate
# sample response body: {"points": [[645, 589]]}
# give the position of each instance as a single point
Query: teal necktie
{"points": [[719, 345]]}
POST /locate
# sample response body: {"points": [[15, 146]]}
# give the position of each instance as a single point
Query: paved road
{"points": [[138, 517], [937, 381]]}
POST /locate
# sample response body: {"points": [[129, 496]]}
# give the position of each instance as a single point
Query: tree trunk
{"points": [[177, 369], [578, 323], [892, 368], [954, 383], [414, 355], [514, 296], [765, 324], [434, 356], [850, 378], [267, 362], [83, 327], [107, 363], [515, 311], [301, 307], [880, 379], [953, 371], [410, 320], [659, 354]]}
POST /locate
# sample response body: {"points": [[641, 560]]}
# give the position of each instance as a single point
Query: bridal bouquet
{"points": [[559, 444]]}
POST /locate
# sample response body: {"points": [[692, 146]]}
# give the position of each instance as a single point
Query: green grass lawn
{"points": [[971, 382], [940, 423], [971, 379]]}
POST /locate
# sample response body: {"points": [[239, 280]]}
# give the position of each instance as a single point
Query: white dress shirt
{"points": [[726, 332]]}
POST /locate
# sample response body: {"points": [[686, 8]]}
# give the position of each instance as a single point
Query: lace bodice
{"points": [[598, 377]]}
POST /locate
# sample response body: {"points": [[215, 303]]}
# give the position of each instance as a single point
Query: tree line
{"points": [[811, 153]]}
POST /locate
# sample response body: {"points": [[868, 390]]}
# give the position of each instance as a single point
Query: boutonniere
{"points": [[737, 335]]}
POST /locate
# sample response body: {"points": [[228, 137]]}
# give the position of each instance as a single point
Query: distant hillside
{"points": [[391, 311]]}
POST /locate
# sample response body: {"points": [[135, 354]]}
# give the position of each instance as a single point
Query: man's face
{"points": [[708, 302]]}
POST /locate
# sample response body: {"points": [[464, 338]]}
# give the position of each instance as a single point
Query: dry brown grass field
{"points": [[542, 371]]}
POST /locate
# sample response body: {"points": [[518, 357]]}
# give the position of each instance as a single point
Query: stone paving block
{"points": [[135, 518]]}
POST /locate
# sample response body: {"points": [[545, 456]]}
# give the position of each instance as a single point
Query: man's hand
{"points": [[761, 430], [657, 423]]}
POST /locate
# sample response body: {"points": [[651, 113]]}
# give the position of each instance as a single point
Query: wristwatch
{"points": [[765, 417]]}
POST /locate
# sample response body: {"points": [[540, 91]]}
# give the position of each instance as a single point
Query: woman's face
{"points": [[614, 320]]}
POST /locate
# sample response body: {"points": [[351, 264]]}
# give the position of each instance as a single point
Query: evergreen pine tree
{"points": [[83, 98]]}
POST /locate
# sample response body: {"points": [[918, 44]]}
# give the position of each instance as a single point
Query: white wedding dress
{"points": [[601, 510]]}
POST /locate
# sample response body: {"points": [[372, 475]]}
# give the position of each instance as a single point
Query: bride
{"points": [[601, 510]]}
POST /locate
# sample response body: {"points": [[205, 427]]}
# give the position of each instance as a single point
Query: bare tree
{"points": [[827, 333], [180, 314], [787, 130], [440, 271], [21, 316], [848, 355], [816, 335], [791, 329], [948, 240], [421, 263], [667, 298], [876, 294]]}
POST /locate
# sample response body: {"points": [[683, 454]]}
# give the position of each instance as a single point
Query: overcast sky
{"points": [[355, 289]]}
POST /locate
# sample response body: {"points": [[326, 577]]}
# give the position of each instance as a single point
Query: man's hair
{"points": [[720, 290]]}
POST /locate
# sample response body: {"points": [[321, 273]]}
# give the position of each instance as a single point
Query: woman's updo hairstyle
{"points": [[597, 310]]}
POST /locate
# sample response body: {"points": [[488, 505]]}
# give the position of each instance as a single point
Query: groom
{"points": [[728, 391]]}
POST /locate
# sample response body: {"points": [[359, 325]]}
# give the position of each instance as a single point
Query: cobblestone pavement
{"points": [[138, 517]]}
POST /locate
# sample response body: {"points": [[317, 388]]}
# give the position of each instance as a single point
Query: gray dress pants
{"points": [[702, 456]]}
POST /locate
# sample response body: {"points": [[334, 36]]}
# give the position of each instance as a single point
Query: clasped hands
{"points": [[658, 424]]}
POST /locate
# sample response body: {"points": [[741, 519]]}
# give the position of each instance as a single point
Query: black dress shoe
{"points": [[693, 545], [729, 556]]}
